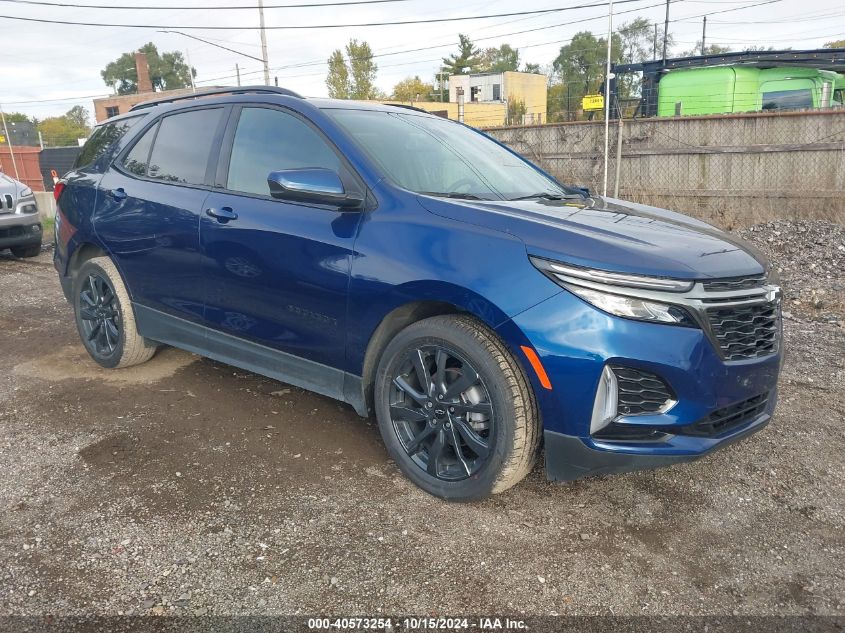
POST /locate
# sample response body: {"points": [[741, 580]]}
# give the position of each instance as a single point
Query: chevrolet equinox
{"points": [[418, 270]]}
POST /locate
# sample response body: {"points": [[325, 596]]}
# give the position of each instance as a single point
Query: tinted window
{"points": [[271, 140], [183, 145], [136, 160], [104, 138], [787, 99]]}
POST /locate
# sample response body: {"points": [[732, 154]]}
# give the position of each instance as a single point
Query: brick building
{"points": [[108, 107]]}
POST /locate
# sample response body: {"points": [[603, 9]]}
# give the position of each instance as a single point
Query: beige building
{"points": [[474, 114], [505, 88], [108, 107]]}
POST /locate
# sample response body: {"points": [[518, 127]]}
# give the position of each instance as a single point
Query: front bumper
{"points": [[575, 341], [19, 229]]}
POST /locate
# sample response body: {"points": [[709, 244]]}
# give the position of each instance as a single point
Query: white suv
{"points": [[20, 226]]}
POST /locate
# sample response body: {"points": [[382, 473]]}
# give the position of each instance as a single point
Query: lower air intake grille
{"points": [[728, 418], [641, 392], [748, 331]]}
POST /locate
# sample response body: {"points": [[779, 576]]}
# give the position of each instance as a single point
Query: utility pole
{"points": [[665, 31], [190, 70], [607, 94], [704, 36], [654, 49], [9, 142], [264, 42], [238, 73], [618, 156]]}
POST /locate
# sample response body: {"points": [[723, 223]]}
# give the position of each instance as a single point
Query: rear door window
{"points": [[137, 159], [104, 138], [268, 140], [183, 146]]}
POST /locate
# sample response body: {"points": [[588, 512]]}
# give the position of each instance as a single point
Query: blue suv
{"points": [[420, 271]]}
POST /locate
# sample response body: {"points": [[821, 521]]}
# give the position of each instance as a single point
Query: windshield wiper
{"points": [[550, 196], [452, 194]]}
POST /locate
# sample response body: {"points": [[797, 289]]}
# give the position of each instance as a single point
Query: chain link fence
{"points": [[731, 170]]}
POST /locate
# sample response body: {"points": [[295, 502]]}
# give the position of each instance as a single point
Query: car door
{"points": [[149, 205], [276, 272]]}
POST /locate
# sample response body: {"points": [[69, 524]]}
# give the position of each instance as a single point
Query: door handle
{"points": [[223, 214], [118, 194]]}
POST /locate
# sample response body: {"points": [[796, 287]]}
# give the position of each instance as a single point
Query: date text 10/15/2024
{"points": [[416, 624]]}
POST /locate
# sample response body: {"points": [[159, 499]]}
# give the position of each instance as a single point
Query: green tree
{"points": [[532, 68], [64, 130], [168, 71], [466, 60], [79, 116], [516, 111], [498, 60], [581, 64], [712, 49], [362, 71], [353, 77], [835, 44], [560, 106], [337, 80], [637, 41], [19, 117], [412, 89]]}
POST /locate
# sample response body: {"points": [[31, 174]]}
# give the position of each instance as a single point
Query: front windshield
{"points": [[436, 156]]}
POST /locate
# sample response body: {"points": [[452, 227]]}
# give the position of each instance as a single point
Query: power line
{"points": [[434, 47], [424, 48], [317, 26], [203, 8]]}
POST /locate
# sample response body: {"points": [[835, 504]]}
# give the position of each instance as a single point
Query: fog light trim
{"points": [[605, 406]]}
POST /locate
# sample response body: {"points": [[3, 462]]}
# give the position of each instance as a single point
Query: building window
{"points": [[112, 111], [497, 92], [474, 92]]}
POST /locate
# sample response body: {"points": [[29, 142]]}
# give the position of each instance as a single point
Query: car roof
{"points": [[185, 102]]}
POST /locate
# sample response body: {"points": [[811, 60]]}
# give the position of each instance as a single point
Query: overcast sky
{"points": [[41, 62]]}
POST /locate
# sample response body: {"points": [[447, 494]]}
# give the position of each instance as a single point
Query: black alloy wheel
{"points": [[442, 413], [99, 314]]}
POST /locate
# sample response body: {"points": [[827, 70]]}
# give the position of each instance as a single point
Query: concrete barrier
{"points": [[46, 204]]}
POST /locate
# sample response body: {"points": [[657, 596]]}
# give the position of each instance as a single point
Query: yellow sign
{"points": [[2, 139], [592, 102]]}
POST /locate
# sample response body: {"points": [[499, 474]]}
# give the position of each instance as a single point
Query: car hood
{"points": [[613, 235], [8, 186]]}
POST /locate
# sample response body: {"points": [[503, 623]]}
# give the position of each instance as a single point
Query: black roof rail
{"points": [[407, 107], [240, 90]]}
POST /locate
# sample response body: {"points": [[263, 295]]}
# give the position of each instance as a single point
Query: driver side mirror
{"points": [[313, 184]]}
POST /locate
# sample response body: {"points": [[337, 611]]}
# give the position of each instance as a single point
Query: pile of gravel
{"points": [[810, 257]]}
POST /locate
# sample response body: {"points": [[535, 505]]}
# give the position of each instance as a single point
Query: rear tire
{"points": [[455, 409], [26, 251], [104, 316]]}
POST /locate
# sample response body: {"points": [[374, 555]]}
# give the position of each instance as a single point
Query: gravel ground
{"points": [[186, 486]]}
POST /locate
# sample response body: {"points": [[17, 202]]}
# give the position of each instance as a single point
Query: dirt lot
{"points": [[186, 486]]}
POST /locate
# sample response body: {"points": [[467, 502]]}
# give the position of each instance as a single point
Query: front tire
{"points": [[104, 316], [26, 251], [455, 409]]}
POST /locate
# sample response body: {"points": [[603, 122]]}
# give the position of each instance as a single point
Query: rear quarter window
{"points": [[104, 139]]}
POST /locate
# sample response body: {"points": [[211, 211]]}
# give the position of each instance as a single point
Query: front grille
{"points": [[728, 418], [745, 331], [734, 283], [15, 231], [640, 392]]}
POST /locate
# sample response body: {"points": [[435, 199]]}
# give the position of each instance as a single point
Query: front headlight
{"points": [[632, 307], [25, 192], [607, 291]]}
